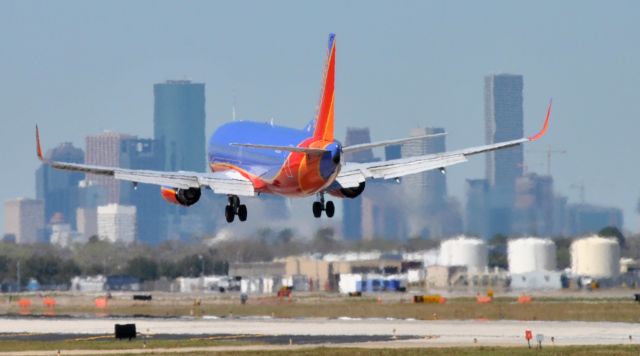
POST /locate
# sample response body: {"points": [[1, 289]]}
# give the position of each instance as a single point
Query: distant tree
{"points": [[499, 239], [142, 267], [50, 269], [612, 231], [5, 263]]}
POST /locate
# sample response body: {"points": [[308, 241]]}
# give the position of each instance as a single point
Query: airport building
{"points": [[117, 223], [24, 220]]}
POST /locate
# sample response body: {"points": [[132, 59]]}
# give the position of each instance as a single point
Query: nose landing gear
{"points": [[235, 208], [319, 206]]}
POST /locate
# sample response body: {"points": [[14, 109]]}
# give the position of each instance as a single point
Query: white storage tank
{"points": [[596, 257], [531, 254], [463, 251]]}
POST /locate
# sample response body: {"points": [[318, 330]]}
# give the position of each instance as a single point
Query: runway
{"points": [[409, 333]]}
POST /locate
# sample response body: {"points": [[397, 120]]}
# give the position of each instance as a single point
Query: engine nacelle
{"points": [[184, 197], [347, 192]]}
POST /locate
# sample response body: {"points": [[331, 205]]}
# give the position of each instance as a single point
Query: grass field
{"points": [[581, 309], [163, 347], [95, 343]]}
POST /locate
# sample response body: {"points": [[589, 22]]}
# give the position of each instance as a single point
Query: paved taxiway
{"points": [[416, 333]]}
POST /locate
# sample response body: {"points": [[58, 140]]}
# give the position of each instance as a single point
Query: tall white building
{"points": [[117, 223], [62, 235], [24, 219], [87, 221]]}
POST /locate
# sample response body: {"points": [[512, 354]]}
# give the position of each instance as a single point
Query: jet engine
{"points": [[184, 197], [347, 192]]}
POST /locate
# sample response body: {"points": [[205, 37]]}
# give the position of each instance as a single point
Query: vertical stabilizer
{"points": [[324, 120]]}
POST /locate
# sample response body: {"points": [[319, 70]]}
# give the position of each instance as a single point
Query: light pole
{"points": [[202, 262], [202, 270]]}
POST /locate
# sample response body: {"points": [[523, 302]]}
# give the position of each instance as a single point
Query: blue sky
{"points": [[79, 67]]}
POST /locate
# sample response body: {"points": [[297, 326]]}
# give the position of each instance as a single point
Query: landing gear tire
{"points": [[330, 209], [317, 209], [229, 214], [242, 212]]}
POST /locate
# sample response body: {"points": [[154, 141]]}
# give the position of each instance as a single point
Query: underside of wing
{"points": [[352, 174], [223, 182]]}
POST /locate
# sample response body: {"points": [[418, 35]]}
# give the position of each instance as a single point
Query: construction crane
{"points": [[550, 152]]}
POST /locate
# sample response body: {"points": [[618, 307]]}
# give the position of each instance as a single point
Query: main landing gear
{"points": [[320, 206], [235, 208]]}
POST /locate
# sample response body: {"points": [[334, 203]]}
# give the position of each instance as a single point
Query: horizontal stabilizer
{"points": [[282, 148], [366, 146]]}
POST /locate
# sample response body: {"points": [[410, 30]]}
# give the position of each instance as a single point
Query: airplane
{"points": [[249, 158]]}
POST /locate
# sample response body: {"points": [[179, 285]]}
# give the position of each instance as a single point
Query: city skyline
{"points": [[594, 91]]}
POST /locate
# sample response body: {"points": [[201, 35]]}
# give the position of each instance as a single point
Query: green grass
{"points": [[462, 351], [98, 343]]}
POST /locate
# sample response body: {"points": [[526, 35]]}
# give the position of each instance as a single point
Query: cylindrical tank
{"points": [[463, 251], [596, 257], [531, 254]]}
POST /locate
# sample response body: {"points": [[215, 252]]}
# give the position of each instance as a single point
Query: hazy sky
{"points": [[79, 67]]}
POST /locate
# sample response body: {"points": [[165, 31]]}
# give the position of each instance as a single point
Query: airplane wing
{"points": [[352, 174], [366, 146], [224, 182]]}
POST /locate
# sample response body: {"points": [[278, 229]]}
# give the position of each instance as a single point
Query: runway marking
{"points": [[15, 334], [89, 338], [227, 337]]}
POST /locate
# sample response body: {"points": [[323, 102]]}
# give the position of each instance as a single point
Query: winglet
{"points": [[38, 147], [546, 124]]}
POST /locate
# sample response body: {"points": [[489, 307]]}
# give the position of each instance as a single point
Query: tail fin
{"points": [[324, 120]]}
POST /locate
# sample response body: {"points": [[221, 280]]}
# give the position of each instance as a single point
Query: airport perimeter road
{"points": [[443, 333]]}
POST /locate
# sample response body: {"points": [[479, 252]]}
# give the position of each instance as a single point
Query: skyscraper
{"points": [[477, 208], [430, 187], [179, 124], [352, 208], [104, 150], [503, 121], [355, 136], [24, 219], [117, 223], [59, 189], [392, 152], [151, 210], [533, 206], [426, 193]]}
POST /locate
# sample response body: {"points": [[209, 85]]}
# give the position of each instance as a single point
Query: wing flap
{"points": [[228, 182]]}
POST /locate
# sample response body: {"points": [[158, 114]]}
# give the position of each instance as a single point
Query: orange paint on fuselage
{"points": [[299, 176]]}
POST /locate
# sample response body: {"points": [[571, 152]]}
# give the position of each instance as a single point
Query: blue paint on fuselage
{"points": [[261, 162]]}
